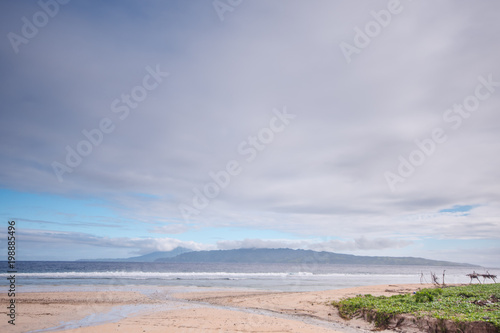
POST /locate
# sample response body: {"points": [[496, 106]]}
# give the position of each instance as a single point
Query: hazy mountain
{"points": [[296, 257], [150, 257]]}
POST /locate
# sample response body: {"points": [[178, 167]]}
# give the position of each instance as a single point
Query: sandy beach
{"points": [[175, 310]]}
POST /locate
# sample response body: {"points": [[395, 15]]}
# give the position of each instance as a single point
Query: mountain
{"points": [[150, 257], [297, 257]]}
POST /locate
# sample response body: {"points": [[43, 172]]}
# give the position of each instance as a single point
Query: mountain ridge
{"points": [[284, 255], [275, 255]]}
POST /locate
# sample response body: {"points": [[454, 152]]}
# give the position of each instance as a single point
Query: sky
{"points": [[369, 128]]}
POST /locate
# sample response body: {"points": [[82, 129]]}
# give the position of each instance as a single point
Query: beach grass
{"points": [[461, 304]]}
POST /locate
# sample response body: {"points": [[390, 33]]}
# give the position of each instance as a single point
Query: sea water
{"points": [[31, 275]]}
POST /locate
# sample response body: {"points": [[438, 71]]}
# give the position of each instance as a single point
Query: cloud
{"points": [[260, 243], [174, 228], [64, 224], [363, 244], [358, 244], [32, 238]]}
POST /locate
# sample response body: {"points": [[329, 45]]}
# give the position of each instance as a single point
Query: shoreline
{"points": [[188, 309]]}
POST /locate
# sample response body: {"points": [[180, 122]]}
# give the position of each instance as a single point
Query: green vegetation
{"points": [[460, 304]]}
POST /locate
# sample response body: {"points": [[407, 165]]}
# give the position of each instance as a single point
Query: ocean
{"points": [[34, 275]]}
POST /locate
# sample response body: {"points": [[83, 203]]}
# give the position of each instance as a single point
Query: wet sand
{"points": [[35, 311], [175, 310]]}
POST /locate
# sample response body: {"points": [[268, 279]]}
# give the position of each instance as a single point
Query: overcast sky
{"points": [[370, 128]]}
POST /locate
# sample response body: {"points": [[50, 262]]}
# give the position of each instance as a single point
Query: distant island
{"points": [[277, 256]]}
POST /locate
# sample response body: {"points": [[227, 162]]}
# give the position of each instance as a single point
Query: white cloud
{"points": [[358, 244], [33, 238], [173, 228]]}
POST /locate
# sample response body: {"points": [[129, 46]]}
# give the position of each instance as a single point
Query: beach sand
{"points": [[206, 311], [42, 310]]}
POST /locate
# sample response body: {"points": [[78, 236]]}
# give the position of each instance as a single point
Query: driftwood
{"points": [[435, 279], [476, 276], [489, 276], [473, 276]]}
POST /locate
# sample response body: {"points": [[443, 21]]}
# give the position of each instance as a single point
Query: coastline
{"points": [[178, 309]]}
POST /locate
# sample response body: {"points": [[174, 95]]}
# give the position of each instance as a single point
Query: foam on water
{"points": [[185, 275], [279, 277]]}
